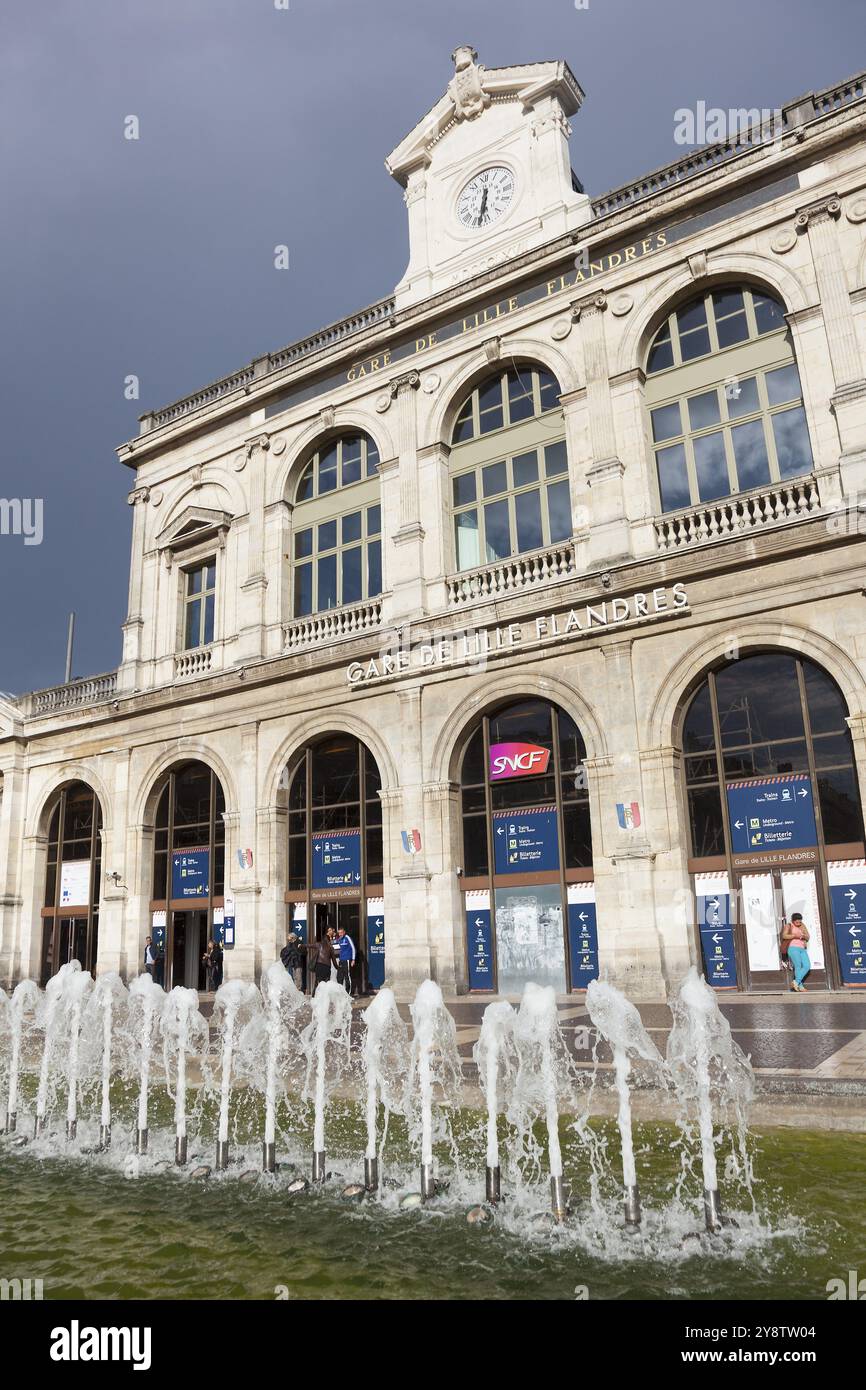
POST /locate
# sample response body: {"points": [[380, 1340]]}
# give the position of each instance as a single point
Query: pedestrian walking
{"points": [[148, 955]]}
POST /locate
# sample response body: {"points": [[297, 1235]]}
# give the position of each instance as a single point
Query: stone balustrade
{"points": [[732, 516], [90, 690], [197, 662], [511, 576], [332, 626]]}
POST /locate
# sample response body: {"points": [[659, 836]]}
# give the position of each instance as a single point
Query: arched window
{"points": [[527, 849], [724, 397], [188, 900], [509, 468], [70, 917], [337, 548]]}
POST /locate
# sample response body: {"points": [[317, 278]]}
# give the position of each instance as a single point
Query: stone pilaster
{"points": [[406, 561], [128, 676], [609, 538], [14, 783], [244, 883], [251, 643]]}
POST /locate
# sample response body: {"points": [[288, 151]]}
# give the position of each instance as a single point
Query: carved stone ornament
{"points": [[278, 444], [239, 462], [856, 210], [383, 402], [827, 208], [430, 383], [621, 304], [410, 381], [560, 329], [156, 496], [493, 350], [195, 476], [698, 265], [327, 416], [140, 494], [784, 241], [261, 441], [466, 88]]}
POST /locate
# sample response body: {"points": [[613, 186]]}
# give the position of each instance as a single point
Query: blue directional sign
{"points": [[772, 813], [479, 947], [337, 860], [376, 950], [717, 940], [526, 841], [849, 922], [583, 944], [190, 873]]}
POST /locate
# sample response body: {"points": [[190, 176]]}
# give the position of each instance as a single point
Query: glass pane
{"points": [[472, 770], [572, 752], [527, 511], [840, 806], [750, 452], [335, 776], [759, 699], [210, 575], [705, 822], [497, 534], [351, 527], [661, 356], [783, 385], [555, 458], [559, 511], [475, 846], [520, 403], [193, 582], [727, 302], [372, 458], [352, 575], [695, 344], [711, 467], [548, 390], [463, 489], [494, 478], [673, 478], [577, 835], [698, 728], [463, 427], [374, 569], [690, 316], [374, 520], [303, 590], [327, 582], [327, 535], [328, 470], [827, 709], [467, 541], [303, 543], [193, 621], [351, 470], [490, 405], [208, 618], [768, 314], [305, 486], [703, 410], [732, 330], [793, 449], [525, 469], [666, 421], [741, 397]]}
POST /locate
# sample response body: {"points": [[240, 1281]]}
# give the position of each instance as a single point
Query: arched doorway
{"points": [[527, 851], [775, 822], [70, 915], [335, 875], [188, 873]]}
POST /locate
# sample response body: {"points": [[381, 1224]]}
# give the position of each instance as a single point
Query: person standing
{"points": [[290, 955], [158, 964], [346, 950], [148, 955], [795, 939], [213, 964], [320, 957]]}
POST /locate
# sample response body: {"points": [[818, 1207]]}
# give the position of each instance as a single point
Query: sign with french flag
{"points": [[628, 814], [411, 841]]}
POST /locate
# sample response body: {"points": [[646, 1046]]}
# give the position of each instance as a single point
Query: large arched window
{"points": [[337, 525], [509, 468], [70, 917], [188, 902], [527, 850], [724, 397]]}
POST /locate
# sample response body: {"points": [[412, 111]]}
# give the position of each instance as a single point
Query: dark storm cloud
{"points": [[258, 127]]}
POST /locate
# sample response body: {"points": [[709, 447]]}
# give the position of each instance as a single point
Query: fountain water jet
{"points": [[284, 1007], [705, 1061], [106, 1011], [385, 1048], [52, 1002], [495, 1056], [184, 1030], [236, 1001], [331, 1023], [147, 999], [77, 990], [544, 1076], [620, 1023], [435, 1063], [25, 999]]}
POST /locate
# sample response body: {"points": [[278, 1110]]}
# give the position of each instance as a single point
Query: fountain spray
{"points": [[184, 1030], [385, 1050], [79, 986], [52, 1001], [435, 1067], [148, 998], [620, 1023], [284, 1007], [495, 1056], [331, 1023], [106, 1008], [236, 1001], [25, 999], [543, 1077]]}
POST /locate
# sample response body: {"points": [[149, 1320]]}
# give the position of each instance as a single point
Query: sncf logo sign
{"points": [[517, 760]]}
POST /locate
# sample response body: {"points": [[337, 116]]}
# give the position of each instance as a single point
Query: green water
{"points": [[90, 1232]]}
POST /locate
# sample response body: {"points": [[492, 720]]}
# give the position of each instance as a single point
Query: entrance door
{"points": [[185, 947], [348, 915], [767, 900], [64, 939]]}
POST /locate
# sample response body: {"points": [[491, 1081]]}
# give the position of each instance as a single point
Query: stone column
{"points": [[128, 677], [111, 950], [244, 883], [13, 783], [442, 827], [251, 627], [609, 530], [849, 399], [406, 559], [408, 951]]}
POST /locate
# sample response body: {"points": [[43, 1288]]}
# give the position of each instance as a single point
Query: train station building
{"points": [[515, 622]]}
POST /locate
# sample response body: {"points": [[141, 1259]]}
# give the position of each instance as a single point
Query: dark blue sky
{"points": [[261, 126]]}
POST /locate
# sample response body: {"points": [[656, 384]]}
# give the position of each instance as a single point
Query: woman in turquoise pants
{"points": [[796, 936]]}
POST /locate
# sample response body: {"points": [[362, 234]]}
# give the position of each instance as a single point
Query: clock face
{"points": [[486, 197]]}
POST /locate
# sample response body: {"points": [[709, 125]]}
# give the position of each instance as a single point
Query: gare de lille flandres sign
{"points": [[474, 646]]}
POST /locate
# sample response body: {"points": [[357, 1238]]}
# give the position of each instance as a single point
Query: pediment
{"points": [[194, 524]]}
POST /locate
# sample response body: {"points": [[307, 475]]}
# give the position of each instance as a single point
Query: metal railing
{"points": [[546, 566], [731, 516], [332, 626]]}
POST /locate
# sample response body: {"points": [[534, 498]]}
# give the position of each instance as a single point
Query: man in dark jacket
{"points": [[290, 955]]}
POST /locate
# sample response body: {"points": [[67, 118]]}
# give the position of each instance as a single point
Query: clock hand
{"points": [[483, 208]]}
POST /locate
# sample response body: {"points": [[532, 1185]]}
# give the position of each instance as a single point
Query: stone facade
{"points": [[216, 476]]}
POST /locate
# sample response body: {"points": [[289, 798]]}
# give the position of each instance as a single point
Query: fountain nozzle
{"points": [[493, 1184], [558, 1204], [319, 1166], [428, 1182], [105, 1136], [713, 1210], [269, 1158], [632, 1207], [39, 1127], [371, 1174], [71, 1129], [180, 1150], [222, 1155], [11, 1121], [141, 1141]]}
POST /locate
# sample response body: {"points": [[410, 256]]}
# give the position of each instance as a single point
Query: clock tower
{"points": [[487, 173]]}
